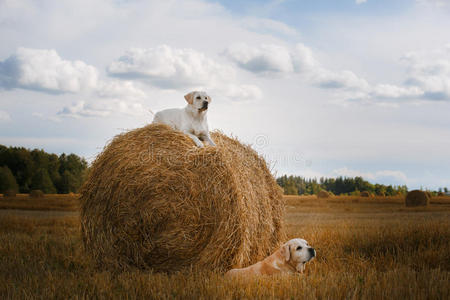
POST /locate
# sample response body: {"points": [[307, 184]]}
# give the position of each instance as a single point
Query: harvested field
{"points": [[372, 248]]}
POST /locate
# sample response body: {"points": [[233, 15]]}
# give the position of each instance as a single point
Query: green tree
{"points": [[72, 170], [7, 180], [390, 191], [337, 186], [27, 165], [42, 181], [380, 189], [53, 168], [40, 159], [290, 188], [19, 161], [69, 182]]}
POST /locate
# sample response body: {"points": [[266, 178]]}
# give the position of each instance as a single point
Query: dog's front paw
{"points": [[210, 142]]}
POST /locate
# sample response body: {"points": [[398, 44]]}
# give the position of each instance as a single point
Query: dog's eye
{"points": [[198, 98], [299, 248]]}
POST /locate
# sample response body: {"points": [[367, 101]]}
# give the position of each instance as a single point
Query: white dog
{"points": [[191, 119], [290, 258]]}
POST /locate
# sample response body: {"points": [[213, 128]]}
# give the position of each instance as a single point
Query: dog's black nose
{"points": [[205, 103], [312, 252]]}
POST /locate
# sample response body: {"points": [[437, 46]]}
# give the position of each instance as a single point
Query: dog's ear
{"points": [[189, 97], [286, 252], [209, 99]]}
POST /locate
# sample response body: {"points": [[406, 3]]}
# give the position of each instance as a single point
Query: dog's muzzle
{"points": [[312, 253], [204, 106]]}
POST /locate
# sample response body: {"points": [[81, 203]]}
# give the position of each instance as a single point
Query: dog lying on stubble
{"points": [[191, 119], [290, 258]]}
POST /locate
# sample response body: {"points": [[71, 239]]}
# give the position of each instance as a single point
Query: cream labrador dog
{"points": [[191, 119], [290, 258]]}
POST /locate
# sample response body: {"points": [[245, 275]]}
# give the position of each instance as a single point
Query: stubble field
{"points": [[370, 248]]}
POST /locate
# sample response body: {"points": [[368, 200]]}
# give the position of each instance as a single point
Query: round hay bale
{"points": [[323, 194], [36, 194], [365, 194], [9, 193], [153, 200], [416, 198]]}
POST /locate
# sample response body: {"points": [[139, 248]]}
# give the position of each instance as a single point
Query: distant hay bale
{"points": [[9, 193], [153, 200], [416, 198], [323, 194], [365, 194], [36, 194]]}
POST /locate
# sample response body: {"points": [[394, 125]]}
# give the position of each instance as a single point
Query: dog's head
{"points": [[297, 253], [198, 100]]}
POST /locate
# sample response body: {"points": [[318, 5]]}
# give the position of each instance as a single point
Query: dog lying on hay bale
{"points": [[153, 200]]}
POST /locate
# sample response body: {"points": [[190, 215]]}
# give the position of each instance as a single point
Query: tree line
{"points": [[296, 185], [23, 170]]}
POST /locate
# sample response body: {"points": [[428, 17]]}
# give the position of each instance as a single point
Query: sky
{"points": [[320, 88]]}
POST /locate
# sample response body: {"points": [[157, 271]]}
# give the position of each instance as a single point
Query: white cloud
{"points": [[102, 109], [83, 109], [303, 58], [4, 116], [166, 67], [119, 89], [436, 3], [429, 72], [171, 68], [46, 117], [268, 26], [45, 70], [360, 1], [339, 80], [238, 92], [262, 59], [398, 176], [271, 58], [396, 92], [276, 60], [427, 78]]}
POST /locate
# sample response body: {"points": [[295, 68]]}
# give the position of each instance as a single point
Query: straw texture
{"points": [[153, 200]]}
